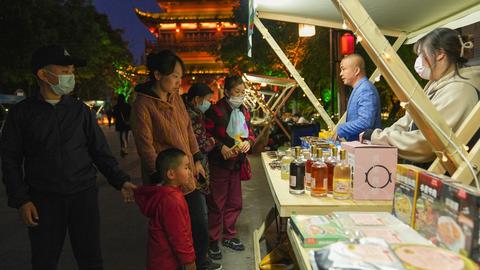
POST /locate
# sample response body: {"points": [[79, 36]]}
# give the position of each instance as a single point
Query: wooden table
{"points": [[288, 204], [302, 254]]}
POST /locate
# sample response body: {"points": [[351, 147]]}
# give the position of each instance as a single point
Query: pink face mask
{"points": [[423, 71]]}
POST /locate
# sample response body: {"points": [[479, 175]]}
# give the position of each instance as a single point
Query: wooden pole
{"points": [[301, 82]]}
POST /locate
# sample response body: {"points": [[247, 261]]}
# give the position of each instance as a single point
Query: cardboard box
{"points": [[458, 224], [406, 191], [373, 170], [430, 203], [316, 231]]}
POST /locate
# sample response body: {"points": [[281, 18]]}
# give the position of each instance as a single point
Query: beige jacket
{"points": [[159, 125], [452, 96]]}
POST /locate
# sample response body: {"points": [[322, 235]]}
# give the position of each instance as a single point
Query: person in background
{"points": [[363, 109], [121, 112], [228, 122], [453, 88], [170, 244], [197, 101], [161, 121], [298, 119], [109, 113], [51, 148]]}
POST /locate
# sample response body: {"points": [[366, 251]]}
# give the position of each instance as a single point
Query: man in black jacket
{"points": [[51, 148]]}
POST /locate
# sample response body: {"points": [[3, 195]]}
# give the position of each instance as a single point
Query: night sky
{"points": [[121, 14]]}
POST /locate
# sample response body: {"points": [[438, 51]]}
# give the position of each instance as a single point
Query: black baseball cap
{"points": [[53, 55]]}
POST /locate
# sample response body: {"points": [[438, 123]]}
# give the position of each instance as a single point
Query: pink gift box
{"points": [[373, 170]]}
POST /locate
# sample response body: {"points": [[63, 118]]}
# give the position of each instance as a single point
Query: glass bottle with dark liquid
{"points": [[331, 161], [319, 176], [308, 168], [297, 173]]}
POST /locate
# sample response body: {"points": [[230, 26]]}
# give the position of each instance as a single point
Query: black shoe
{"points": [[210, 265], [234, 244], [214, 251]]}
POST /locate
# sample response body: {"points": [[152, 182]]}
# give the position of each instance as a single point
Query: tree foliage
{"points": [[74, 24]]}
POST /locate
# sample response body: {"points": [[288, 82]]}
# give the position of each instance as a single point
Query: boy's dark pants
{"points": [[199, 218], [76, 213]]}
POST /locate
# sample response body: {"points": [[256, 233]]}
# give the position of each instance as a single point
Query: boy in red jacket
{"points": [[170, 244]]}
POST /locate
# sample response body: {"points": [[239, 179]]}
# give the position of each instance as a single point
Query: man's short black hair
{"points": [[169, 159]]}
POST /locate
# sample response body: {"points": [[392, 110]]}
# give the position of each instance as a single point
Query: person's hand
{"points": [[244, 147], [127, 192], [200, 169], [190, 266], [227, 152], [212, 140], [335, 137], [360, 137], [29, 214]]}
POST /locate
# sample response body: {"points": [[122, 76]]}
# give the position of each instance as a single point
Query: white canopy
{"points": [[415, 18]]}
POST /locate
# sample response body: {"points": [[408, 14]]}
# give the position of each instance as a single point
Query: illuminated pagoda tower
{"points": [[193, 29]]}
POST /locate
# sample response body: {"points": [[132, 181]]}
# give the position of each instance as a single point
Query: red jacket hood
{"points": [[148, 197]]}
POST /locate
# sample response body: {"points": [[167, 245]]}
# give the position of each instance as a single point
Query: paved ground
{"points": [[124, 228]]}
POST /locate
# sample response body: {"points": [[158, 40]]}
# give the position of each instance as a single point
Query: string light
{"points": [[404, 104], [344, 25], [466, 148], [359, 39], [377, 79]]}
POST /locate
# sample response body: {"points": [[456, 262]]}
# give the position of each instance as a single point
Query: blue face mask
{"points": [[204, 106], [65, 85]]}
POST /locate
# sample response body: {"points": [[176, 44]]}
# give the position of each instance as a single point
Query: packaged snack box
{"points": [[418, 257], [458, 224], [373, 170], [316, 231], [430, 203], [406, 191]]}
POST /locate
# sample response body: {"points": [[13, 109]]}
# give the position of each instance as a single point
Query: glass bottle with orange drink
{"points": [[319, 176], [331, 161]]}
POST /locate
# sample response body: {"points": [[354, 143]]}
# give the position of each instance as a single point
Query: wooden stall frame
{"points": [[272, 111], [293, 71], [397, 75], [464, 133], [404, 85]]}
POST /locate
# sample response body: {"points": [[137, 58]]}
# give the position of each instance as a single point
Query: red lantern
{"points": [[347, 44]]}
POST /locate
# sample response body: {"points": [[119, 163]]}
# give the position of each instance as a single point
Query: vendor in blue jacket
{"points": [[51, 149], [363, 109]]}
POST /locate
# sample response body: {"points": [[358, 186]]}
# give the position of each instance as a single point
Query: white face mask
{"points": [[236, 102], [65, 85], [423, 71]]}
